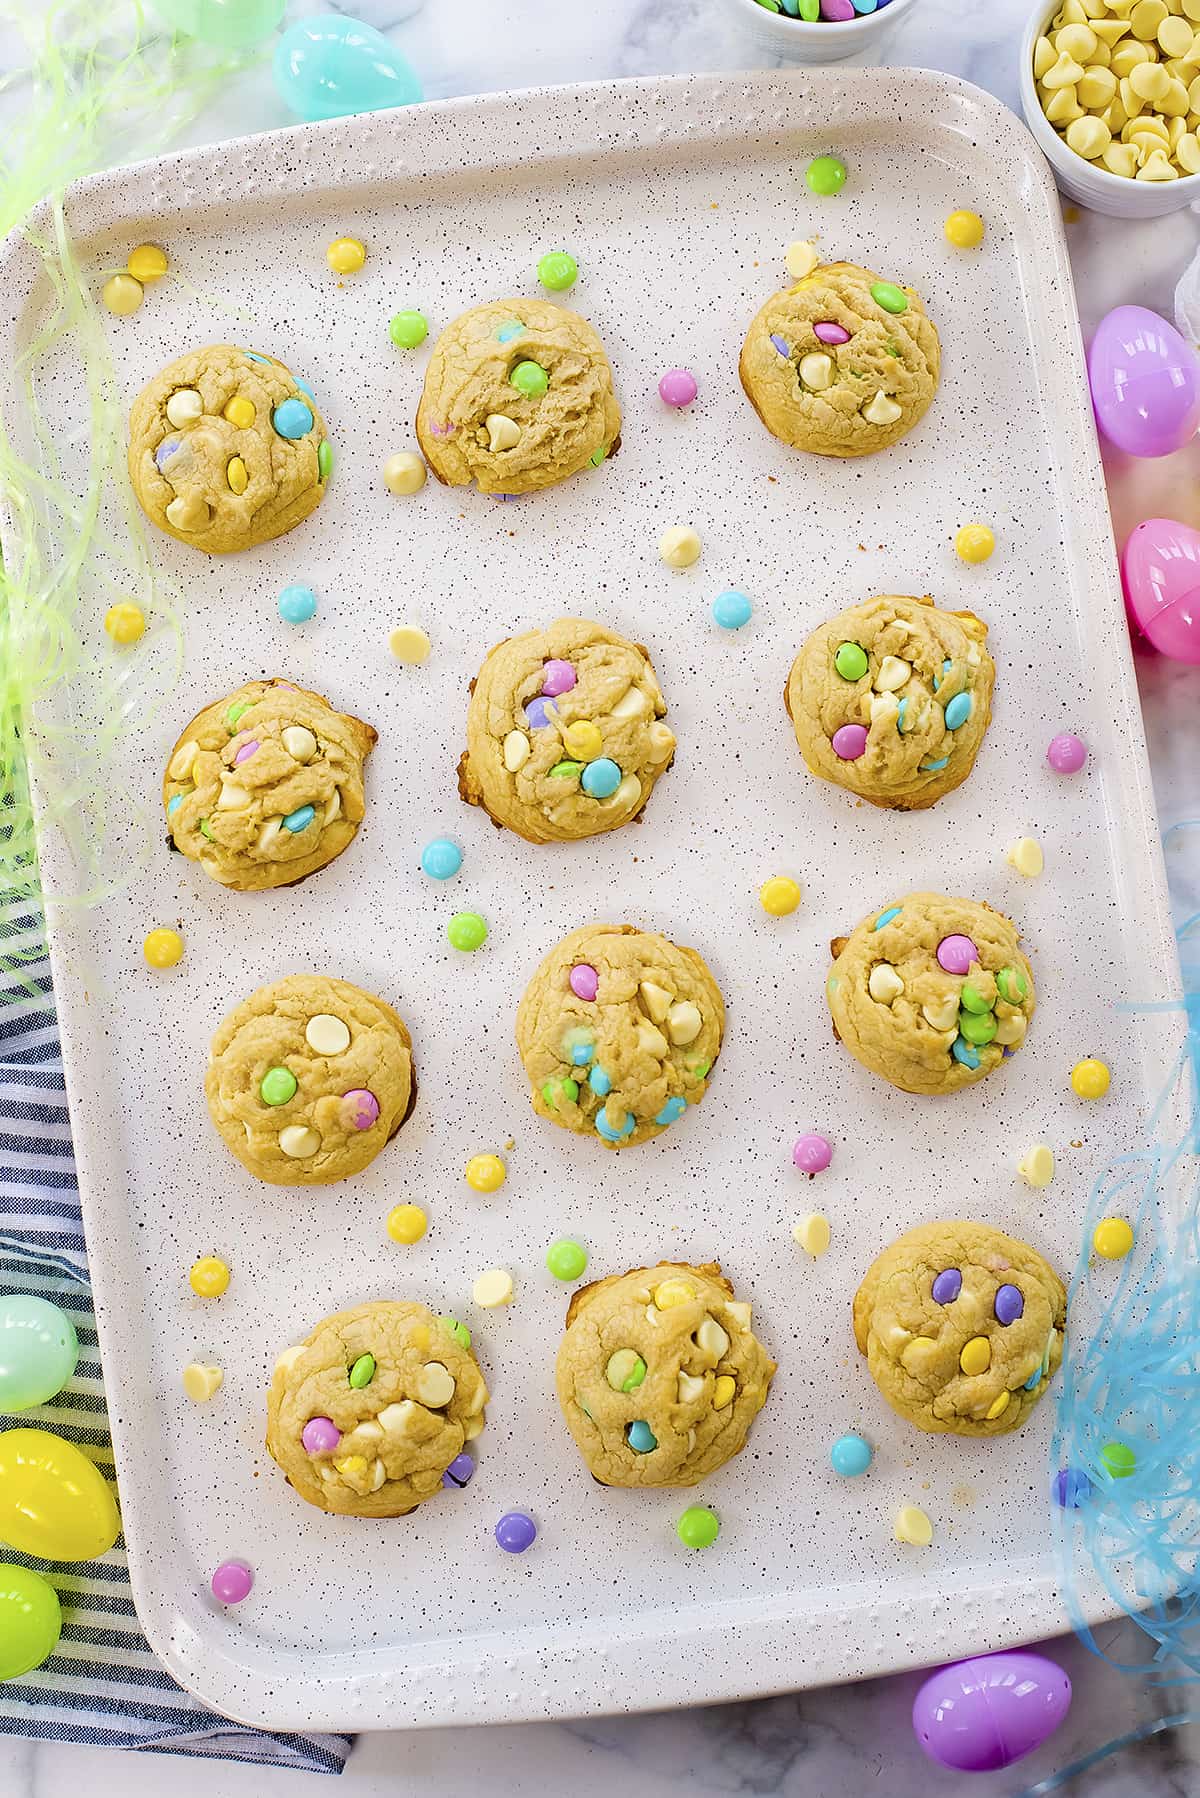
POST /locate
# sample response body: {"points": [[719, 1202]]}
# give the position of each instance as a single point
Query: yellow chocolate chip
{"points": [[1077, 42], [1157, 167], [201, 1382], [913, 1526], [1146, 18], [1174, 39], [1109, 31], [1088, 137], [1127, 56], [976, 1356], [812, 1233], [1065, 73], [1096, 88], [1043, 57], [1187, 153], [1025, 855], [1036, 1166], [800, 259], [1062, 107], [1174, 103]]}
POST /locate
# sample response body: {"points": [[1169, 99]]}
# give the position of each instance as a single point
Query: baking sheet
{"points": [[677, 197]]}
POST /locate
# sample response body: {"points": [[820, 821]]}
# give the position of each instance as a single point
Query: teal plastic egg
{"points": [[233, 24], [331, 66], [38, 1351]]}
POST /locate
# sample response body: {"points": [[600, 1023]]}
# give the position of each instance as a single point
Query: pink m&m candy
{"points": [[232, 1582], [320, 1436], [956, 953], [360, 1108], [812, 1153], [1066, 754], [841, 10], [585, 982], [849, 741], [244, 753], [828, 332], [557, 677], [678, 387]]}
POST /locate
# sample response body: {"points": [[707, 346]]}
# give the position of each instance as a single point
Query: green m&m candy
{"points": [[850, 660], [566, 1258], [325, 459], [363, 1372], [278, 1086], [529, 378], [554, 1090], [976, 1027], [459, 1331], [625, 1370], [973, 1001], [467, 930], [826, 175], [235, 711], [557, 271], [1012, 985], [408, 329], [1119, 1460], [889, 296], [698, 1527]]}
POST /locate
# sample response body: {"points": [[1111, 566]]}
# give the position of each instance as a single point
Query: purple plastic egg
{"points": [[1145, 382], [988, 1712], [1160, 571]]}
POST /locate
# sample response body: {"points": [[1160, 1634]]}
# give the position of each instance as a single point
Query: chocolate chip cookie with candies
{"points": [[227, 449], [618, 1031], [891, 700], [565, 737], [265, 786], [931, 993], [309, 1078], [368, 1415], [659, 1374], [841, 362], [962, 1327]]}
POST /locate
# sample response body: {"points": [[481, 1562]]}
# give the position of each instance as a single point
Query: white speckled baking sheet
{"points": [[678, 198]]}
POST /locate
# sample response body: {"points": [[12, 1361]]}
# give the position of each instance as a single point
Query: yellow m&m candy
{"points": [[147, 263], [1112, 1238], [346, 255], [1090, 1079], [163, 948], [975, 543], [485, 1173], [779, 895], [964, 230], [209, 1277], [407, 1223], [125, 622]]}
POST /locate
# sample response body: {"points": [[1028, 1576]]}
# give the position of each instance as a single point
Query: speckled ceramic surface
{"points": [[678, 198]]}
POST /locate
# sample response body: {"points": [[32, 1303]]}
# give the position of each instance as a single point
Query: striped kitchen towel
{"points": [[102, 1684]]}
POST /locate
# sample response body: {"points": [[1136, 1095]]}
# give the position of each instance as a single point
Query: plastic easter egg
{"points": [[330, 66], [988, 1712], [1145, 382], [1160, 571], [233, 24], [38, 1351], [30, 1620], [54, 1502]]}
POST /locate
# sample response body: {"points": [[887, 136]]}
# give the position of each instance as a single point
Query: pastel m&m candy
{"points": [[209, 1277], [441, 859], [974, 543], [407, 1223], [163, 948], [557, 270], [297, 605], [346, 255], [566, 1258], [731, 610], [1090, 1079], [408, 329], [698, 1527], [125, 622], [1112, 1238], [678, 387], [459, 1473], [515, 1532], [147, 263], [964, 230], [485, 1173], [850, 1456], [232, 1582], [1066, 754], [466, 931], [812, 1153], [292, 419], [779, 896], [826, 174]]}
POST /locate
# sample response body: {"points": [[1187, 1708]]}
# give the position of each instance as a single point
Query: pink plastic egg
{"points": [[1145, 382], [1160, 569], [990, 1711]]}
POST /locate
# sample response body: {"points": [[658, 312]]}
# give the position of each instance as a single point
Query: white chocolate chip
{"points": [[656, 999], [1025, 855], [516, 750], [397, 1419], [300, 743], [289, 1358], [184, 408], [884, 983], [816, 371], [740, 1312], [800, 259], [684, 1023], [915, 1356], [187, 512], [181, 761], [662, 740], [404, 473], [651, 1041], [680, 546], [1010, 1031], [712, 1339], [472, 1427], [690, 1388], [201, 1382], [233, 798], [327, 1035], [299, 1141], [504, 433], [892, 674], [632, 703], [882, 410], [812, 1233], [627, 794], [1157, 168], [941, 1014], [1036, 1166], [409, 643], [268, 834], [913, 1526], [882, 708], [370, 1431], [435, 1384], [378, 1476], [333, 808], [493, 1288]]}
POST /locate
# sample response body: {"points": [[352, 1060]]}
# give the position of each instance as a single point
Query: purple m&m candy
{"points": [[245, 752], [841, 10], [515, 1532], [320, 1436], [459, 1472], [1010, 1303], [557, 677], [956, 953], [232, 1582], [779, 343], [1070, 1488], [678, 387], [828, 332], [360, 1108], [812, 1153], [165, 450], [947, 1286], [538, 712], [849, 741], [1066, 754], [985, 1713], [585, 982]]}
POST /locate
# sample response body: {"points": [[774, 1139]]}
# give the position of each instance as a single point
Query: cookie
{"points": [[518, 395], [660, 1375], [309, 1078], [841, 363], [266, 785], [931, 993], [962, 1327], [366, 1414], [618, 1031], [891, 699], [227, 449], [564, 733]]}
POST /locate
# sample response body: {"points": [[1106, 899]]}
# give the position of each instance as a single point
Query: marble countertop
{"points": [[854, 1739]]}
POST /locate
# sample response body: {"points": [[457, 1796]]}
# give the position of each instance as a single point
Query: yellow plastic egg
{"points": [[1090, 1079], [346, 255], [54, 1502], [964, 230], [147, 263], [779, 895], [975, 543], [209, 1277], [485, 1173], [163, 948], [1112, 1238], [406, 1223], [125, 622]]}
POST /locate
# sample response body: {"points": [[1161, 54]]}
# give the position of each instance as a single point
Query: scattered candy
{"points": [[800, 259], [956, 953], [849, 741], [913, 1526], [493, 1288], [406, 1223], [601, 778], [292, 419], [1112, 1238], [122, 295], [975, 542], [1070, 1488], [346, 255], [409, 643], [408, 329], [851, 662], [851, 1456], [1025, 855], [1090, 1079], [209, 1277], [1066, 754], [678, 387], [964, 230], [200, 1382], [812, 1233], [30, 1620], [39, 1351], [1119, 1460], [404, 473], [779, 896], [1036, 1166], [125, 622], [297, 605], [731, 610], [826, 331], [163, 948], [812, 1153], [529, 378], [890, 297], [557, 271], [147, 263], [698, 1527], [826, 175], [485, 1173], [566, 1258], [680, 546], [584, 981], [441, 859], [232, 1581], [515, 1532]]}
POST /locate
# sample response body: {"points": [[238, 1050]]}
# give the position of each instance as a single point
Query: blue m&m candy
{"points": [[958, 711], [850, 1456], [441, 859], [601, 778], [292, 418], [297, 605], [606, 1130], [641, 1438], [731, 610], [300, 819], [674, 1108], [538, 712]]}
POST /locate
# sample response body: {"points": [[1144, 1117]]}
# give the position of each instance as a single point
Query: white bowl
{"points": [[798, 40], [1088, 182]]}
